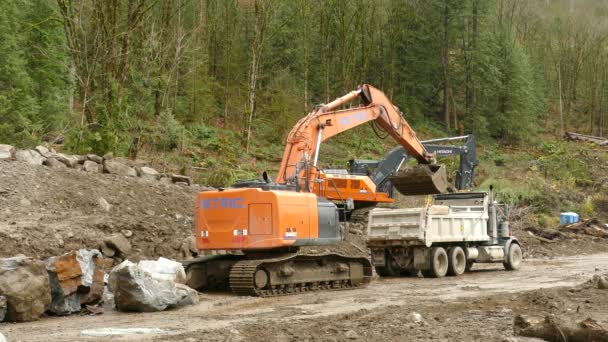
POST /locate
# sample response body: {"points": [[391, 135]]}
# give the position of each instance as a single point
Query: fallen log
{"points": [[583, 137], [555, 329]]}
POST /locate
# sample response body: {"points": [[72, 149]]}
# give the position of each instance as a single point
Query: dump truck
{"points": [[446, 237]]}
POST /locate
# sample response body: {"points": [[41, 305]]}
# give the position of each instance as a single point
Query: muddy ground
{"points": [[479, 306]]}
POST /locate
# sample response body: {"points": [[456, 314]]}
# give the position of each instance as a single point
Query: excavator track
{"points": [[298, 273]]}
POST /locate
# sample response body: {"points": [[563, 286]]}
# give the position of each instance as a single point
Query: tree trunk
{"points": [[446, 51]]}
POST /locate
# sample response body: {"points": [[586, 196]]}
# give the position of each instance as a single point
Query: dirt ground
{"points": [[479, 306], [46, 212]]}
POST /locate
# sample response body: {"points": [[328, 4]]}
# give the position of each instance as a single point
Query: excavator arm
{"points": [[305, 138]]}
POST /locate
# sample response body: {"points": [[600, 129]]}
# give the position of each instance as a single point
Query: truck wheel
{"points": [[439, 263], [457, 261], [514, 256]]}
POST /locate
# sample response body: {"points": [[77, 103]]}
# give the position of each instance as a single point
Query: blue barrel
{"points": [[567, 218]]}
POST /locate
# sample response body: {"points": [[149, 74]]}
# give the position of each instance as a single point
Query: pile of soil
{"points": [[46, 212]]}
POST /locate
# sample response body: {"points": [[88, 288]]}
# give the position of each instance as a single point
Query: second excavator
{"points": [[275, 231]]}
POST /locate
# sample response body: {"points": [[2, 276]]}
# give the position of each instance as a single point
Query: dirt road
{"points": [[224, 317]]}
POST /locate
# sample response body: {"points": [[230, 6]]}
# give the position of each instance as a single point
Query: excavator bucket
{"points": [[421, 180]]}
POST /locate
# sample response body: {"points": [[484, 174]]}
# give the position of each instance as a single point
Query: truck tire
{"points": [[514, 257], [439, 263], [390, 268], [457, 261]]}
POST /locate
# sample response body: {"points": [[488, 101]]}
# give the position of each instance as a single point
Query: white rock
{"points": [[164, 269], [414, 317], [6, 151], [25, 202], [104, 204]]}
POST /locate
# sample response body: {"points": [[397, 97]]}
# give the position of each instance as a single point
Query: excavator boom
{"points": [[302, 149]]}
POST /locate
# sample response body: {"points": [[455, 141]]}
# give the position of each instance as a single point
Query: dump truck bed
{"points": [[450, 218]]}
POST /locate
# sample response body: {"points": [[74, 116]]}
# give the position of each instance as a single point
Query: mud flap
{"points": [[421, 180]]}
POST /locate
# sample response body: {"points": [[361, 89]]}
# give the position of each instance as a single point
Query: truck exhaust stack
{"points": [[421, 180]]}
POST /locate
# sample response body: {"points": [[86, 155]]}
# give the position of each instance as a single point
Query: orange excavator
{"points": [[275, 231]]}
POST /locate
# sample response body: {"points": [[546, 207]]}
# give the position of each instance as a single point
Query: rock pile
{"points": [[150, 286], [25, 285], [42, 155]]}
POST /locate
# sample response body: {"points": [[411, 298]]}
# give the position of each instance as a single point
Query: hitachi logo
{"points": [[227, 203]]}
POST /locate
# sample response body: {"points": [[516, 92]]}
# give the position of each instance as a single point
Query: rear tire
{"points": [[390, 268], [457, 261], [514, 257], [439, 263]]}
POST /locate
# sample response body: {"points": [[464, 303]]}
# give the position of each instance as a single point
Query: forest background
{"points": [[212, 87]]}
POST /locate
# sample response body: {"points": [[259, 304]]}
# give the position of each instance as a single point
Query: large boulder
{"points": [[137, 290], [30, 156], [25, 284], [3, 308], [164, 269], [116, 167], [76, 278], [6, 151]]}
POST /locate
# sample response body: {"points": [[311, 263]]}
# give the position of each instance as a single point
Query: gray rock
{"points": [[95, 158], [25, 202], [108, 156], [181, 179], [602, 283], [119, 244], [118, 168], [148, 173], [108, 302], [68, 160], [127, 233], [25, 284], [54, 163], [136, 290], [2, 338], [91, 166], [6, 151], [3, 308], [351, 335], [187, 295], [103, 204], [30, 156], [43, 151]]}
